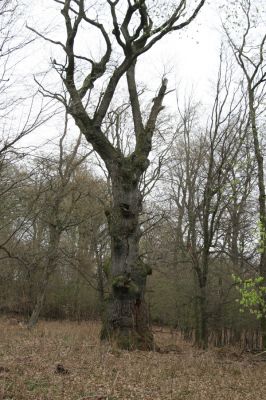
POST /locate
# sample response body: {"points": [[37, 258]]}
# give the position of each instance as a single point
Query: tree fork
{"points": [[126, 314]]}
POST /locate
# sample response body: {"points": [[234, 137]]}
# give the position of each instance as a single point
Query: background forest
{"points": [[203, 217]]}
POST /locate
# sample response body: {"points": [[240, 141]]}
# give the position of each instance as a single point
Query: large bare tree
{"points": [[132, 32]]}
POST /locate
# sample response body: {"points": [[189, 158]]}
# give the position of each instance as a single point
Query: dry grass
{"points": [[28, 363]]}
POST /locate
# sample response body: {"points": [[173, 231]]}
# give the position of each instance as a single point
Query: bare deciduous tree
{"points": [[59, 201], [200, 180], [134, 32], [250, 57]]}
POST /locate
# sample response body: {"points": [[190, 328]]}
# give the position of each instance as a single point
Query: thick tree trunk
{"points": [[126, 316]]}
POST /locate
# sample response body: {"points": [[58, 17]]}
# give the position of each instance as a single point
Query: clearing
{"points": [[65, 360]]}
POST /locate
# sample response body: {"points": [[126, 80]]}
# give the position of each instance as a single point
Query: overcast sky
{"points": [[189, 58]]}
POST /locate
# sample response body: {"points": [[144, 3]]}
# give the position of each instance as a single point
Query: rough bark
{"points": [[126, 315]]}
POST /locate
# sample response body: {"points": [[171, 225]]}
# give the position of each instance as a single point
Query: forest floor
{"points": [[64, 360]]}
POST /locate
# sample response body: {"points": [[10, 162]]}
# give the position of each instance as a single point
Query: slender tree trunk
{"points": [[100, 270], [203, 318], [48, 270], [262, 205], [234, 237], [201, 272], [197, 320], [100, 282], [196, 306], [77, 315], [40, 299], [126, 317]]}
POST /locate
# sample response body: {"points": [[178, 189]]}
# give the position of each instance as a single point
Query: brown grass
{"points": [[28, 363]]}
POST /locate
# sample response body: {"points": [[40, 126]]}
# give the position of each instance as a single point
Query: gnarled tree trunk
{"points": [[126, 316]]}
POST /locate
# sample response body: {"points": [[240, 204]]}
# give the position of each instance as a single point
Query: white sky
{"points": [[189, 58]]}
